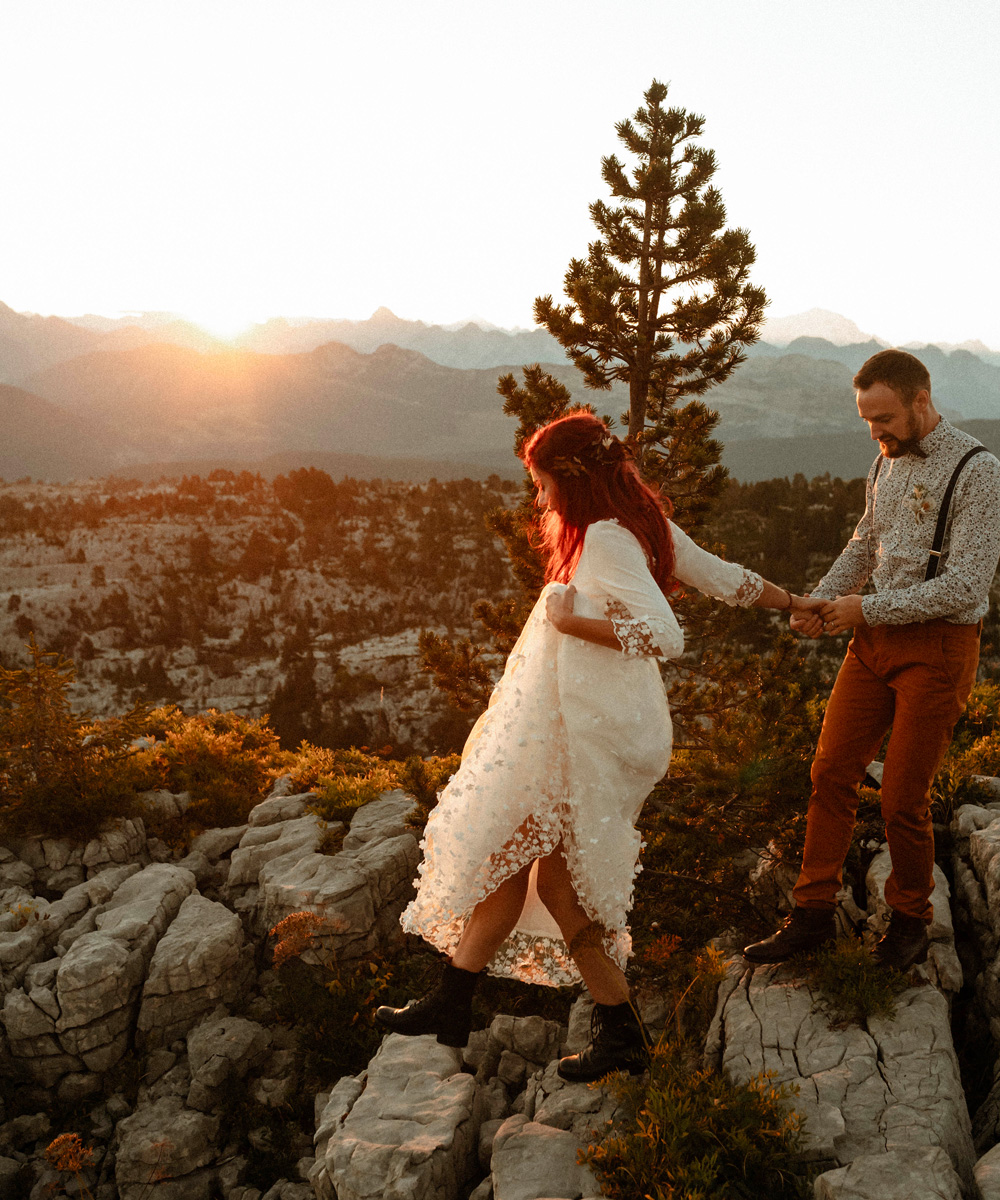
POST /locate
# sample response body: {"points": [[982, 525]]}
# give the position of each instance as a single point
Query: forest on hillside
{"points": [[304, 598]]}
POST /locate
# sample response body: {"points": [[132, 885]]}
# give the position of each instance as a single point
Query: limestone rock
{"points": [[412, 1134], [124, 841], [896, 1175], [264, 842], [21, 1132], [970, 817], [943, 965], [894, 1086], [279, 808], [168, 1143], [15, 874], [224, 1049], [578, 1034], [531, 1161], [382, 819], [199, 962], [215, 843], [578, 1107], [97, 983], [531, 1038], [362, 893], [287, 1189], [987, 1173], [334, 1112], [9, 1168]]}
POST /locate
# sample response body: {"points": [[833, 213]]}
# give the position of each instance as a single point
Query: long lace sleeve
{"points": [[725, 581], [643, 620]]}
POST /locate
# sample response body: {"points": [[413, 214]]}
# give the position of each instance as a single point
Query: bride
{"points": [[531, 852]]}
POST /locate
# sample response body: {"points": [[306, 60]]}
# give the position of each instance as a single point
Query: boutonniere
{"points": [[918, 503]]}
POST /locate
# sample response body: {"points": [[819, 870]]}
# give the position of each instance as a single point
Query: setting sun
{"points": [[221, 324]]}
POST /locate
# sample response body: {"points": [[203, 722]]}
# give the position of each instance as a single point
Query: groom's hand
{"points": [[842, 614]]}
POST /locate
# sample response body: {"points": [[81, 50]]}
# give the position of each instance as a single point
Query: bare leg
{"points": [[603, 977], [491, 922]]}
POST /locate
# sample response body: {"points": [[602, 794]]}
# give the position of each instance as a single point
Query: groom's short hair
{"points": [[897, 369]]}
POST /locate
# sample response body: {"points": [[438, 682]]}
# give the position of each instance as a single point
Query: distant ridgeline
{"points": [[393, 399]]}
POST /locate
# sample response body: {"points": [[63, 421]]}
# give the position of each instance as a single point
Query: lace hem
{"points": [[638, 636], [748, 591], [434, 914]]}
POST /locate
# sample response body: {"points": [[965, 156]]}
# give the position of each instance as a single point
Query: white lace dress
{"points": [[574, 739]]}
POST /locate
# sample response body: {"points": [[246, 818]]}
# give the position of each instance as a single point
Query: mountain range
{"points": [[93, 395]]}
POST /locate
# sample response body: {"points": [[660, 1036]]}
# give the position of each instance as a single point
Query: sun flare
{"points": [[225, 326]]}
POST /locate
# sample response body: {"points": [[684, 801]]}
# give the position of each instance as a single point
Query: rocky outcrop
{"points": [[412, 1133], [894, 1175], [153, 960], [58, 864], [37, 927], [943, 966], [164, 1149], [975, 831], [514, 1125], [200, 961], [873, 1097], [531, 1160], [73, 1019], [278, 869], [893, 1085]]}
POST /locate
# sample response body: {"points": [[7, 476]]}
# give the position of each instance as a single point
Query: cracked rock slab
{"points": [[531, 1161], [165, 1143], [411, 1134], [894, 1086], [919, 1174], [361, 890], [198, 963]]}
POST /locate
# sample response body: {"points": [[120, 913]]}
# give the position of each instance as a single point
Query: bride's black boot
{"points": [[618, 1042], [446, 1011]]}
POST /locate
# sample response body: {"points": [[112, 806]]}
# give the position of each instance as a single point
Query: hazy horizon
{"points": [[814, 318]]}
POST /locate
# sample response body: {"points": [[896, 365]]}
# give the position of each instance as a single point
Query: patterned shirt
{"points": [[892, 543]]}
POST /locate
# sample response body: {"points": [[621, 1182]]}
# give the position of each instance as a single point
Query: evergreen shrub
{"points": [[341, 780], [974, 750], [684, 1133], [855, 988], [62, 776], [226, 762], [424, 778]]}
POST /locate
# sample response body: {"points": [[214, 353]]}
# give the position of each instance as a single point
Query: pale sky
{"points": [[237, 159]]}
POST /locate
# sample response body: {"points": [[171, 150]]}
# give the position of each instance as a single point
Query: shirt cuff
{"points": [[870, 610]]}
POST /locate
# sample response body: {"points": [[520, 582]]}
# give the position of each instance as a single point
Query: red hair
{"points": [[596, 480]]}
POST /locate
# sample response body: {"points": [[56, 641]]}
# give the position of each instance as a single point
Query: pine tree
{"points": [[663, 304], [663, 301]]}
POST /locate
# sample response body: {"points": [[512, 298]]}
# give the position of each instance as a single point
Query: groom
{"points": [[929, 542]]}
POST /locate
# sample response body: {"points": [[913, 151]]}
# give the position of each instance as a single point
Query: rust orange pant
{"points": [[915, 678]]}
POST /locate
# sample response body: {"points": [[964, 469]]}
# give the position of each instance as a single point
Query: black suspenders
{"points": [[942, 521]]}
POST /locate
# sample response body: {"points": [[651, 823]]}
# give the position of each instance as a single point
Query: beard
{"points": [[893, 447]]}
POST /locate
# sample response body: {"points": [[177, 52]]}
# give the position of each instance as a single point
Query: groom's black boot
{"points": [[446, 1011], [803, 929]]}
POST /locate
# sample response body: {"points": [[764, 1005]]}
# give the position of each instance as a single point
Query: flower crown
{"points": [[605, 451]]}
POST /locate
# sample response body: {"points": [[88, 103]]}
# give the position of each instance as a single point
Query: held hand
{"points": [[804, 616], [842, 614], [559, 605]]}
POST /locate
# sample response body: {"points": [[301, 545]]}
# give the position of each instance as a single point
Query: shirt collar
{"points": [[938, 437]]}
